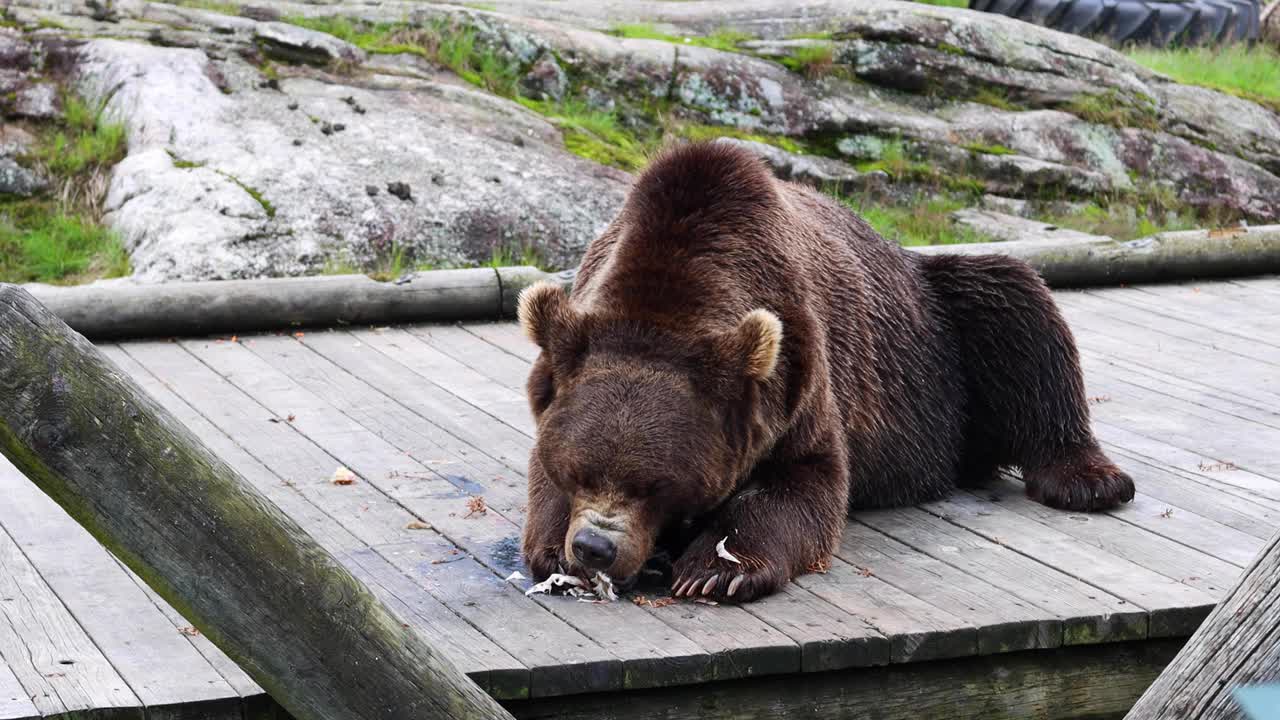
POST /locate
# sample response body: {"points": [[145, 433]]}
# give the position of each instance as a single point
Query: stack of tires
{"points": [[1160, 23]]}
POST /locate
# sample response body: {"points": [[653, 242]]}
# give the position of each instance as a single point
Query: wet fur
{"points": [[899, 376]]}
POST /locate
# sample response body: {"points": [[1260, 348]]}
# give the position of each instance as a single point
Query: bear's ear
{"points": [[755, 344], [544, 313]]}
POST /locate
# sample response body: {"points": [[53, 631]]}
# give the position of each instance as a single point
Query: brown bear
{"points": [[744, 360]]}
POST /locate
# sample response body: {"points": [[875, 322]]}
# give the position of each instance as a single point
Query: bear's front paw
{"points": [[1088, 482], [720, 569]]}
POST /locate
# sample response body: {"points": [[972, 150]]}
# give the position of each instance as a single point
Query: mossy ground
{"points": [[58, 237], [628, 132]]}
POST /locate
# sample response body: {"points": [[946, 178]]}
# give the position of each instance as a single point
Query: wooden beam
{"points": [[1238, 644], [1093, 681], [208, 542]]}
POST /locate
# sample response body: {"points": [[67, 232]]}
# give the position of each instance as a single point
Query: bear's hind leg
{"points": [[1026, 397]]}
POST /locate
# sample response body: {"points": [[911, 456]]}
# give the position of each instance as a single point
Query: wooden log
{"points": [[118, 310], [222, 554], [1238, 644]]}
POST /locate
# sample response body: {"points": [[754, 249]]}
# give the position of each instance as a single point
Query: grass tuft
{"points": [[41, 242], [1109, 109], [1250, 72], [812, 61], [723, 39], [922, 220]]}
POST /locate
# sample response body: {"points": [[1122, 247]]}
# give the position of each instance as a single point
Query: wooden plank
{"points": [[1244, 512], [334, 514], [275, 600], [505, 335], [1079, 682], [14, 703], [1212, 470], [1237, 646], [915, 629], [1175, 608], [1109, 532], [382, 521], [161, 667], [1088, 614], [653, 653], [1227, 372], [1101, 371], [452, 414], [1244, 443], [501, 611], [1213, 313], [1083, 309], [59, 667], [252, 696], [1004, 623], [1188, 527], [430, 365], [829, 638], [464, 467], [476, 353]]}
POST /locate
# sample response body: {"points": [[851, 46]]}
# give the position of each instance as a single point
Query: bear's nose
{"points": [[594, 550]]}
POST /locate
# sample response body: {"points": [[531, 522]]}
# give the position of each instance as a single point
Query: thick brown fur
{"points": [[744, 359]]}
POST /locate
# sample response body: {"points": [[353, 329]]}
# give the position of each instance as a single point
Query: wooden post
{"points": [[244, 573], [1238, 644]]}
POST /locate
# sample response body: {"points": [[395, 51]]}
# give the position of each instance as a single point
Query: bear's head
{"points": [[643, 428]]}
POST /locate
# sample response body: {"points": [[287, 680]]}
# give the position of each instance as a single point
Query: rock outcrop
{"points": [[257, 147]]}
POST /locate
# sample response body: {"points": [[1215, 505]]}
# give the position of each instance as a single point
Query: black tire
{"points": [[1152, 22]]}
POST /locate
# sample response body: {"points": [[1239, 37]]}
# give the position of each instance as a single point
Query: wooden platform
{"points": [[983, 605]]}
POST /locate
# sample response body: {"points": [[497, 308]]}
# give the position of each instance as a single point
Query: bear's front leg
{"points": [[546, 524], [786, 521]]}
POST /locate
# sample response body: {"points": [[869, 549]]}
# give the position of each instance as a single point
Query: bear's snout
{"points": [[594, 550]]}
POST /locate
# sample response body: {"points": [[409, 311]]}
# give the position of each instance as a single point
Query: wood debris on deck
{"points": [[429, 430]]}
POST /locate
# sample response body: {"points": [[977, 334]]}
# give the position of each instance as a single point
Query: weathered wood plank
{"points": [[1004, 623], [829, 638], [160, 666], [245, 573], [468, 469], [1083, 310], [431, 365], [506, 335], [14, 702], [1109, 532], [1212, 313], [60, 669], [916, 630], [1245, 512], [452, 414], [1175, 608], [641, 641], [1088, 614], [1238, 644], [360, 508], [479, 355], [485, 662], [1080, 682]]}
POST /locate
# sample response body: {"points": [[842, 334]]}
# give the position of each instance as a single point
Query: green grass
{"points": [[922, 220], [508, 257], [895, 161], [696, 131], [985, 149], [1249, 72], [87, 141], [1124, 222], [812, 61], [453, 47], [996, 98], [39, 242], [594, 134], [226, 8], [722, 39], [57, 238], [1109, 109]]}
